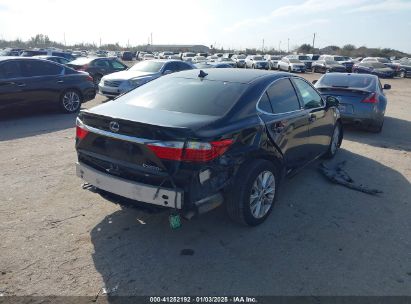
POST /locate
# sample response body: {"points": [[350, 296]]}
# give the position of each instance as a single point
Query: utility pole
{"points": [[151, 35], [288, 45], [64, 34], [314, 40], [262, 49], [100, 41], [279, 46]]}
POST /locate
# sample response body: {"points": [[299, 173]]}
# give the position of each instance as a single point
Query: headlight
{"points": [[136, 82]]}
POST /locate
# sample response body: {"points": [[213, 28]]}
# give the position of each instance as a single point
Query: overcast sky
{"points": [[227, 23]]}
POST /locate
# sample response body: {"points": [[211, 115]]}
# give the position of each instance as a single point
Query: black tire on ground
{"points": [[70, 101], [237, 196], [332, 151], [97, 79], [289, 69], [376, 128], [402, 74]]}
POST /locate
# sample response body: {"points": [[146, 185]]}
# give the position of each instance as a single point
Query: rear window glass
{"points": [[184, 95], [347, 81], [81, 61]]}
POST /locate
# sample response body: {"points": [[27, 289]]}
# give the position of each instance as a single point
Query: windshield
{"points": [[294, 61], [338, 58], [241, 57], [258, 58], [304, 58], [193, 96], [189, 55], [364, 82], [378, 65], [147, 66]]}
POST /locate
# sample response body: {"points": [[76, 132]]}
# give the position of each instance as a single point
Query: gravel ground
{"points": [[321, 239]]}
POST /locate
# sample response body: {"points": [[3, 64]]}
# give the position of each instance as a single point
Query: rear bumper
{"points": [[136, 191]]}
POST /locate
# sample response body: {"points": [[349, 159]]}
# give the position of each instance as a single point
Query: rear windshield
{"points": [[185, 95], [338, 58], [147, 66], [81, 61], [365, 82]]}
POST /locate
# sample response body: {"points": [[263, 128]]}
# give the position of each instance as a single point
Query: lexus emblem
{"points": [[114, 126]]}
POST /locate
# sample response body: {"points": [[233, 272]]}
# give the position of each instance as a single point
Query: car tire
{"points": [[335, 142], [247, 195], [327, 71], [376, 128], [402, 74], [253, 67], [97, 79], [289, 69], [70, 101]]}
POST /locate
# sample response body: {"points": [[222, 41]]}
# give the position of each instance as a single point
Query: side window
{"points": [[171, 66], [310, 97], [32, 68], [182, 66], [283, 97], [117, 65], [264, 104], [101, 63], [9, 70]]}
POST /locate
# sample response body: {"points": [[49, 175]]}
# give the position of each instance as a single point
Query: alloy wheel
{"points": [[71, 101], [262, 194]]}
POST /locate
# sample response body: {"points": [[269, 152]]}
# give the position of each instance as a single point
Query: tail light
{"points": [[192, 151], [89, 78], [81, 132], [372, 98], [83, 67]]}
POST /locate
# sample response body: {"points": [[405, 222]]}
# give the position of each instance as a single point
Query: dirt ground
{"points": [[321, 239]]}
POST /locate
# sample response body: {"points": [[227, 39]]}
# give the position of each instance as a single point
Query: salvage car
{"points": [[256, 62], [303, 58], [142, 72], [385, 61], [344, 61], [240, 60], [97, 67], [272, 61], [35, 82], [374, 68], [193, 140], [291, 65], [361, 96], [405, 67], [326, 66]]}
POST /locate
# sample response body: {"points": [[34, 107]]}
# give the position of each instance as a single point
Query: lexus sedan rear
{"points": [[362, 98], [194, 140]]}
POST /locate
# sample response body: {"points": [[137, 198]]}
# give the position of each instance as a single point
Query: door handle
{"points": [[21, 85], [278, 127], [312, 118], [60, 81]]}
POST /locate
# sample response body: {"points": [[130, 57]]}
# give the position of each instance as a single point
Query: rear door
{"points": [[321, 119], [12, 83], [44, 80], [287, 124]]}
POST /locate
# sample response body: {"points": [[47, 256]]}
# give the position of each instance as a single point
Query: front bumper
{"points": [[159, 196]]}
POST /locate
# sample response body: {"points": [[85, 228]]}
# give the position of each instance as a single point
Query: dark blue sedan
{"points": [[362, 98], [374, 68]]}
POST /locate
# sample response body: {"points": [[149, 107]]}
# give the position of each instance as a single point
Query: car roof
{"points": [[231, 75]]}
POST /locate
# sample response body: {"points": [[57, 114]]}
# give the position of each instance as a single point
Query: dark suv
{"points": [[97, 67], [196, 139]]}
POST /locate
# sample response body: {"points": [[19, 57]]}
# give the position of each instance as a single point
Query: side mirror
{"points": [[314, 81], [166, 72], [332, 101], [387, 86]]}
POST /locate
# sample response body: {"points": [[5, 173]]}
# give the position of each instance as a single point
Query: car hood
{"points": [[126, 75]]}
